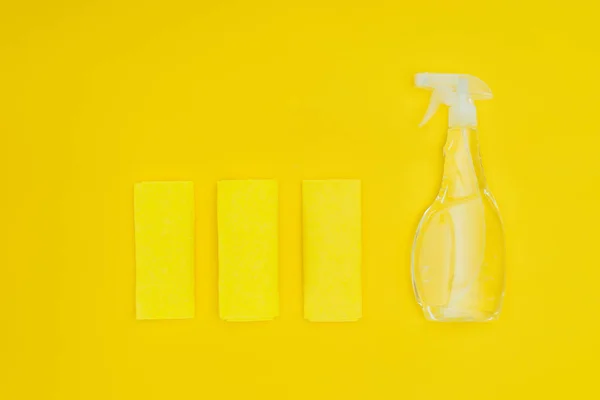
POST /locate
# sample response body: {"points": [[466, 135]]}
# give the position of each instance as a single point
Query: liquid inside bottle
{"points": [[458, 252]]}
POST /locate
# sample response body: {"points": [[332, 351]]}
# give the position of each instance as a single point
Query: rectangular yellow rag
{"points": [[332, 250], [248, 218]]}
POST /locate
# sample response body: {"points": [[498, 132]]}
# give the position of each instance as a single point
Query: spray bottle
{"points": [[458, 251]]}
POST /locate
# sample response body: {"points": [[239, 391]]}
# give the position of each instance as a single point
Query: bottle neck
{"points": [[463, 171]]}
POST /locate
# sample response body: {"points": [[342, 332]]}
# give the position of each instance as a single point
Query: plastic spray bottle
{"points": [[458, 251]]}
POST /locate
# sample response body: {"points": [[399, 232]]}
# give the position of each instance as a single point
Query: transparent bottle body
{"points": [[458, 252]]}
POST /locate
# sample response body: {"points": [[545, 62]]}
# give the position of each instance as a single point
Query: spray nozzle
{"points": [[457, 91]]}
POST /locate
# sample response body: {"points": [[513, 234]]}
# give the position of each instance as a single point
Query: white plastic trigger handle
{"points": [[439, 96], [457, 91]]}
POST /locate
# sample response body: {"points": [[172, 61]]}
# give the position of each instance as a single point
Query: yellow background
{"points": [[97, 95]]}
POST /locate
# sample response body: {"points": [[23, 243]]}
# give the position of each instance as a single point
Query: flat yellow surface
{"points": [[248, 218], [164, 249], [332, 244], [97, 95]]}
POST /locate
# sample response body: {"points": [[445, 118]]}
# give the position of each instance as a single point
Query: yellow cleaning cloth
{"points": [[332, 250], [164, 249], [248, 250]]}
